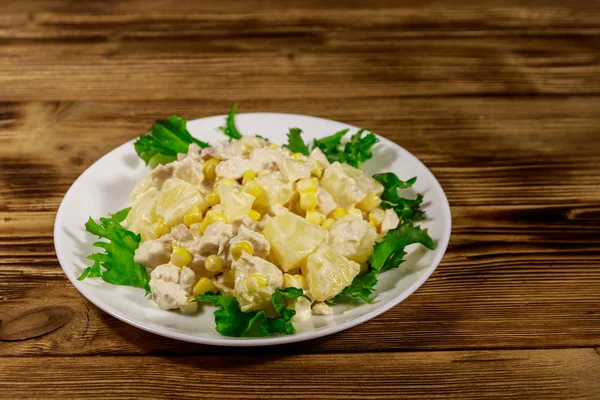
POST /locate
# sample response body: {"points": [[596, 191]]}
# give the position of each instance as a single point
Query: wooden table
{"points": [[498, 98]]}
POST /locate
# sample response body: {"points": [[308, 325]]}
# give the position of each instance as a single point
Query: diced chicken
{"points": [[153, 253], [325, 202], [320, 308], [181, 234], [317, 156], [353, 238], [245, 221], [348, 185], [260, 245], [255, 281], [188, 170], [276, 189], [390, 221], [263, 222], [223, 288], [161, 173], [171, 287], [267, 157], [235, 167], [194, 152], [215, 239]]}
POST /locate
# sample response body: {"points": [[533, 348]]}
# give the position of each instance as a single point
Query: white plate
{"points": [[105, 186]]}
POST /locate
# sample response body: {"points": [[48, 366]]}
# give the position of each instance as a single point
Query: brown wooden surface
{"points": [[500, 99]]}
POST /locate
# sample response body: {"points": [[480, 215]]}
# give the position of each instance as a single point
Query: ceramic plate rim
{"points": [[442, 246]]}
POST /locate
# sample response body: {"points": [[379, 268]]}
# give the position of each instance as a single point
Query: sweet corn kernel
{"points": [[160, 228], [213, 198], [308, 201], [254, 215], [193, 217], [315, 217], [369, 203], [307, 185], [248, 176], [328, 223], [274, 146], [215, 216], [181, 256], [253, 189], [376, 216], [204, 285], [338, 213], [356, 212], [241, 247], [317, 171], [301, 281], [290, 281], [210, 166], [228, 277], [213, 263], [256, 282]]}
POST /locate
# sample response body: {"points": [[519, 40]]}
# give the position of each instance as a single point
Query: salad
{"points": [[270, 234]]}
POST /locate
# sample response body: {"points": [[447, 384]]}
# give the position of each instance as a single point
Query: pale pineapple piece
{"points": [[235, 202], [176, 199], [327, 273], [276, 191], [292, 239], [348, 185], [142, 217], [353, 238]]}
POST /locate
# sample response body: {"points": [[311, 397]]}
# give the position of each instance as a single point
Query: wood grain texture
{"points": [[498, 98], [521, 269], [550, 374]]}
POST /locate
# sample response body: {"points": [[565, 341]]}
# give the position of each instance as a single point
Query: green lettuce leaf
{"points": [[408, 210], [166, 138], [232, 321], [295, 142], [230, 129], [362, 287], [116, 264], [355, 152], [388, 253]]}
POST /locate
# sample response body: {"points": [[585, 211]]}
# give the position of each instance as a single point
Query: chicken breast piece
{"points": [[171, 287], [353, 238], [390, 221], [214, 241], [153, 253], [325, 202]]}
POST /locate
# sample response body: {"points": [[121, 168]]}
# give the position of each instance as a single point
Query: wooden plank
{"points": [[550, 374]]}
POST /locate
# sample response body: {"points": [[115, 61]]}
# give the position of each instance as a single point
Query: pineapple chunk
{"points": [[276, 191], [353, 238], [255, 281], [235, 203], [327, 273], [292, 239], [348, 185], [176, 199], [142, 216]]}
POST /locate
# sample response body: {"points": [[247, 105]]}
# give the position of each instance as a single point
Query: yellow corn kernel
{"points": [[160, 228], [301, 281], [317, 171], [274, 146], [338, 213], [315, 217], [254, 215], [307, 185], [229, 277], [210, 166], [356, 212], [328, 223], [215, 216], [253, 189], [193, 217], [290, 281], [213, 263], [308, 201], [248, 176], [261, 279], [298, 156], [241, 247], [369, 203], [181, 256], [376, 217], [213, 198], [204, 285]]}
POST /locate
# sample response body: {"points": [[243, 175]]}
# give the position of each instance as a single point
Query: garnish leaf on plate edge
{"points": [[116, 264], [166, 139], [295, 142]]}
